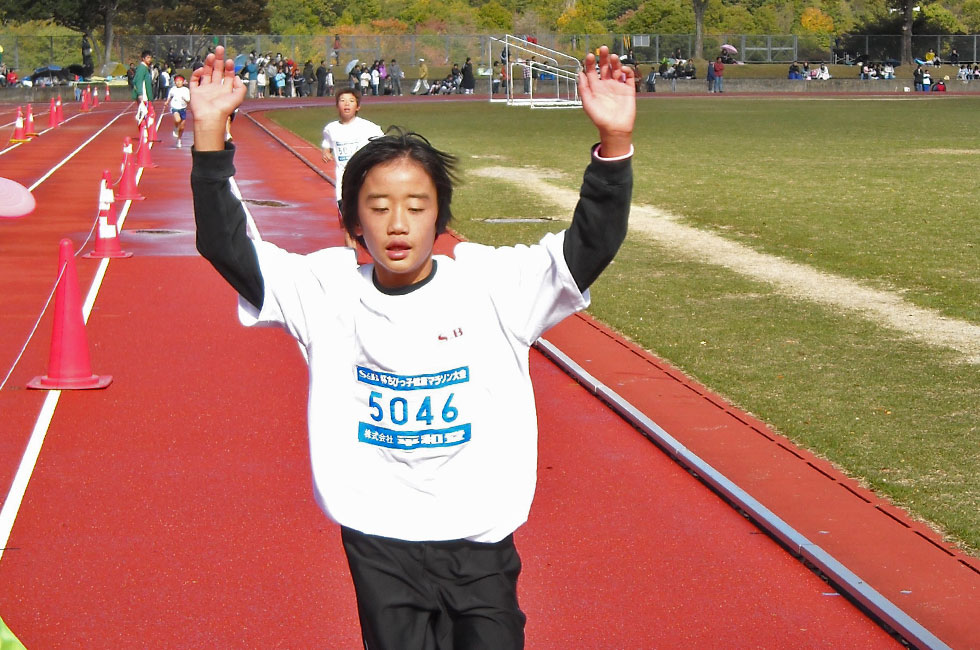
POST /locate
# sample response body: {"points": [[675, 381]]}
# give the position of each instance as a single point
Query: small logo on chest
{"points": [[455, 334]]}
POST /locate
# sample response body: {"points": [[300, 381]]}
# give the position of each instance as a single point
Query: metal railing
{"points": [[26, 53], [549, 77]]}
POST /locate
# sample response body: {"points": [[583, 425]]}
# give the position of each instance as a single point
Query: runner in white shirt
{"points": [[177, 99], [343, 137]]}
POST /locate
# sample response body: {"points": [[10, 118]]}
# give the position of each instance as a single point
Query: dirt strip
{"points": [[790, 278]]}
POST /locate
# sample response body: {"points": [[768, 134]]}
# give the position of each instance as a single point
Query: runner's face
{"points": [[347, 107], [397, 207]]}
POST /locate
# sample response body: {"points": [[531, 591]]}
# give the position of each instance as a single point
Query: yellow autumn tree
{"points": [[815, 21]]}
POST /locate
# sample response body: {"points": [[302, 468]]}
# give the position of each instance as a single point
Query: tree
{"points": [[85, 16], [493, 16], [971, 16], [699, 6]]}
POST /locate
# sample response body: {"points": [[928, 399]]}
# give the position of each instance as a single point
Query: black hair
{"points": [[146, 53], [398, 143], [348, 91]]}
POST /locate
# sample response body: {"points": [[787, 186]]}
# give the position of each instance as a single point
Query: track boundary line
{"points": [[859, 590], [25, 469], [73, 153]]}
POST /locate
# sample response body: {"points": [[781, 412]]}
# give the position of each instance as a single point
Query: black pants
{"points": [[456, 595]]}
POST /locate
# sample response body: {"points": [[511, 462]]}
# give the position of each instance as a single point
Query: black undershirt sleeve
{"points": [[221, 232], [600, 219], [597, 230]]}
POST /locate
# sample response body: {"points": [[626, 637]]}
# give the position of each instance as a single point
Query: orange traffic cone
{"points": [[29, 130], [85, 104], [108, 97], [143, 157], [69, 366], [95, 97], [127, 184], [107, 231], [19, 134], [151, 118], [61, 112], [52, 115]]}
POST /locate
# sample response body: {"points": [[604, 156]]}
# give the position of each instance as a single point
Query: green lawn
{"points": [[7, 639], [877, 191]]}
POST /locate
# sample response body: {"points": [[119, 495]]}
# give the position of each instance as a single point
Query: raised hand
{"points": [[609, 99], [216, 91]]}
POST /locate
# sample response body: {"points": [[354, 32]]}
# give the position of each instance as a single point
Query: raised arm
{"points": [[609, 99], [221, 233], [600, 220]]}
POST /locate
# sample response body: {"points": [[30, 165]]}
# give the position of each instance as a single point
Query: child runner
{"points": [[423, 433], [177, 99], [345, 135]]}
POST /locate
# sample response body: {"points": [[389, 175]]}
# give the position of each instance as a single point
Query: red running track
{"points": [[174, 508]]}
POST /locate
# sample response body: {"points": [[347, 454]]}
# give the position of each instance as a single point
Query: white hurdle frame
{"points": [[565, 68]]}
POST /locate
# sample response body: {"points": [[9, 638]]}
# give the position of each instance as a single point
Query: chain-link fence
{"points": [[26, 53]]}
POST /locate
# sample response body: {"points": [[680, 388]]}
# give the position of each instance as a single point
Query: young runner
{"points": [[177, 99], [423, 433], [345, 135]]}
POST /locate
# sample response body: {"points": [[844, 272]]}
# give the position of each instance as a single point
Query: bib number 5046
{"points": [[399, 410]]}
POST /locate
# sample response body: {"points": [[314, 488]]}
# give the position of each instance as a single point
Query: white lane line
{"points": [[73, 153], [18, 487]]}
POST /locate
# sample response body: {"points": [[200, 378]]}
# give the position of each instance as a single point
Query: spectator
{"points": [[794, 71], [321, 79], [383, 75], [710, 75], [423, 82], [652, 80], [720, 72], [375, 79], [939, 86], [309, 78], [252, 68], [954, 57], [261, 80], [396, 75], [143, 78], [163, 86], [527, 76], [281, 80], [917, 77], [365, 80], [469, 81]]}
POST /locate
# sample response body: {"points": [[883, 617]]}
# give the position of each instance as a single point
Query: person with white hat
{"points": [[423, 82]]}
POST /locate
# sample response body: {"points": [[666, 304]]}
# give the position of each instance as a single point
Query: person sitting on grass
{"points": [[423, 433]]}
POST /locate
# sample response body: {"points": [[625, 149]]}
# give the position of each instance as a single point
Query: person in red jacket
{"points": [[719, 75]]}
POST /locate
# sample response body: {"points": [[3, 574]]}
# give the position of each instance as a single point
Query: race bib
{"points": [[413, 411]]}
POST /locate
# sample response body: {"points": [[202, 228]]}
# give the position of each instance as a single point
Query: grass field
{"points": [[873, 193]]}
